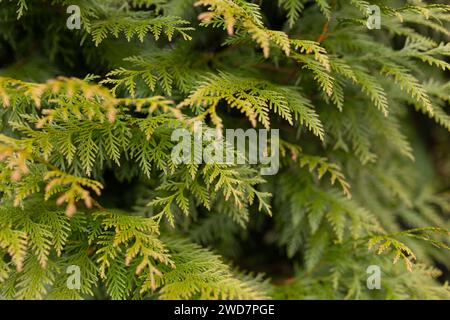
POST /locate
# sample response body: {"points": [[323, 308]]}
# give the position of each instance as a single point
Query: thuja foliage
{"points": [[87, 178]]}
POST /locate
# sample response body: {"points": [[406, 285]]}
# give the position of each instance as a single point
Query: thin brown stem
{"points": [[326, 26]]}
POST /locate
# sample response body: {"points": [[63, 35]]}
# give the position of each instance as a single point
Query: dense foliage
{"points": [[87, 177]]}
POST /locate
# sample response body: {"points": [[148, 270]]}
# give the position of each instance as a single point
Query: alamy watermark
{"points": [[237, 147], [74, 278], [74, 20], [374, 17], [374, 278]]}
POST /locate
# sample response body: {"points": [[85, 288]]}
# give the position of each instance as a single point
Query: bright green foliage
{"points": [[87, 178]]}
